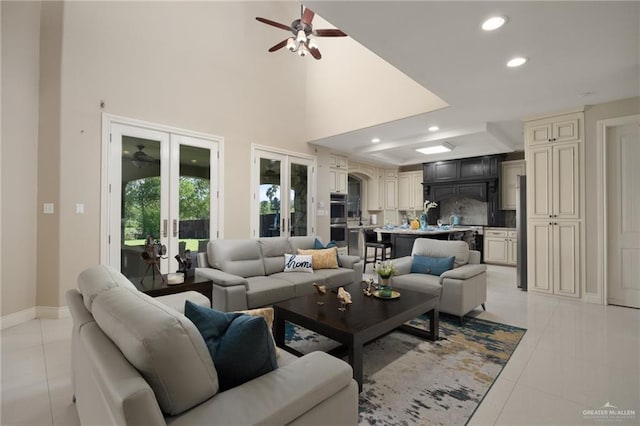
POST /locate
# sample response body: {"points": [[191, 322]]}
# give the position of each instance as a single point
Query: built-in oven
{"points": [[338, 208], [340, 234]]}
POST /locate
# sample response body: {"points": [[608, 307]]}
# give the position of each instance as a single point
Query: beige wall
{"points": [[20, 70], [620, 108]]}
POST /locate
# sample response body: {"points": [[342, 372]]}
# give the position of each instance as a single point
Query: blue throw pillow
{"points": [[318, 246], [240, 345], [431, 265]]}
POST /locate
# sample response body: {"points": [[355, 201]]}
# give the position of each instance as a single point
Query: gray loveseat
{"points": [[462, 288], [249, 273], [138, 361]]}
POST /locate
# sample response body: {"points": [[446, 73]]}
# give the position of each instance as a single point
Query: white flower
{"points": [[428, 205]]}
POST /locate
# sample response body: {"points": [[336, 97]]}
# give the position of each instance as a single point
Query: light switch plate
{"points": [[47, 208], [79, 208]]}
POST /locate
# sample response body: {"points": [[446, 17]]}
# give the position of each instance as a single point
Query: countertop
{"points": [[498, 228], [433, 230], [362, 226]]}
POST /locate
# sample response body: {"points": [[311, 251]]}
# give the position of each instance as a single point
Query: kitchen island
{"points": [[403, 238]]}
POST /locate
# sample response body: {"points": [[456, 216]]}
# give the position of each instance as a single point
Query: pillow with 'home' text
{"points": [[298, 263], [431, 265]]}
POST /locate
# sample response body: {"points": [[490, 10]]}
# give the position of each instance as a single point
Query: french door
{"points": [[163, 187], [283, 194]]}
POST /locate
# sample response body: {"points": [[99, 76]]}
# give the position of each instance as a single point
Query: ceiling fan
{"points": [[141, 158], [302, 30]]}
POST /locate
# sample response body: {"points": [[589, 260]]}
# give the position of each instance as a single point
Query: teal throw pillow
{"points": [[240, 345], [431, 265], [317, 245]]}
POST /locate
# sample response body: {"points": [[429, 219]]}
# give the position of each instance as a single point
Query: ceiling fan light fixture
{"points": [[291, 44], [302, 50], [312, 44], [436, 149], [493, 23], [301, 38]]}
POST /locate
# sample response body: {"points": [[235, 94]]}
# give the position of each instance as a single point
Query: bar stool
{"points": [[371, 241]]}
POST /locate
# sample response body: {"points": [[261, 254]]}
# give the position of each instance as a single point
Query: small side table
{"points": [[160, 288]]}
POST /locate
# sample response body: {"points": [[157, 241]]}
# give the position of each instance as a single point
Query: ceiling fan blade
{"points": [[315, 53], [274, 23], [329, 32], [307, 16], [278, 46]]}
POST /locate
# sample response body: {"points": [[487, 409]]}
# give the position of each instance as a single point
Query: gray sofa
{"points": [[462, 288], [249, 273], [138, 361]]}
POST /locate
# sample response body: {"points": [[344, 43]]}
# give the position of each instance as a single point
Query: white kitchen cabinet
{"points": [[509, 182], [390, 190], [375, 194], [554, 257], [338, 174], [554, 151], [564, 128], [500, 247], [410, 192]]}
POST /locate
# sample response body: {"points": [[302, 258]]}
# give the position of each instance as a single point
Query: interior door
{"points": [[623, 213]]}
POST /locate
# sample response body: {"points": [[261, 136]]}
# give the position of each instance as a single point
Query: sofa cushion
{"points": [[440, 248], [267, 290], [432, 265], [237, 257], [240, 345], [302, 242], [267, 314], [317, 244], [324, 258], [273, 250], [423, 283], [163, 345], [302, 282], [99, 278], [298, 263], [335, 277]]}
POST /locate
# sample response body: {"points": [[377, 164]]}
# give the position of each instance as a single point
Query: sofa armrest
{"points": [[403, 265], [221, 278], [464, 272], [474, 257], [278, 397], [348, 261]]}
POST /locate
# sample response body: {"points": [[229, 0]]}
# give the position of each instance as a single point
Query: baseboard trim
{"points": [[52, 312], [593, 298], [47, 312], [16, 318]]}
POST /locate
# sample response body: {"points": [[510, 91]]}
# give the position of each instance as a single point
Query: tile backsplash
{"points": [[472, 212]]}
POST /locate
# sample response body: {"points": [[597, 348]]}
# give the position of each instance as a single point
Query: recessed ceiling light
{"points": [[493, 23], [125, 152], [375, 140], [437, 149], [516, 62], [194, 161], [434, 128]]}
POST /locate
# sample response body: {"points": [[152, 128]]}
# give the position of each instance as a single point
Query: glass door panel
{"points": [[194, 199], [299, 200], [270, 175], [141, 191]]}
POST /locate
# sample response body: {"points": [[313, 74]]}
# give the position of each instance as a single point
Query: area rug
{"points": [[408, 380]]}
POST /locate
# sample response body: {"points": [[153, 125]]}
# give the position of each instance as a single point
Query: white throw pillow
{"points": [[298, 263]]}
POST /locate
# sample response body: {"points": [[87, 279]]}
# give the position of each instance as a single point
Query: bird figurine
{"points": [[344, 296], [321, 290]]}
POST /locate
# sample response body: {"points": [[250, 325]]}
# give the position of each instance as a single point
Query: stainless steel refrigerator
{"points": [[521, 230]]}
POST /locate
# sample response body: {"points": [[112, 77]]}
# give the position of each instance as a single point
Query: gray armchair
{"points": [[461, 289]]}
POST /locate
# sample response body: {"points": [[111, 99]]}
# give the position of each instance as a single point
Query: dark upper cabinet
{"points": [[473, 190], [441, 192], [476, 168]]}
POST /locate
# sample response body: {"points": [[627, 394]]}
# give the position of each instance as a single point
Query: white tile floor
{"points": [[574, 357]]}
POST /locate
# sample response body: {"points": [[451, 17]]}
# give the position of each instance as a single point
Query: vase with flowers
{"points": [[385, 270], [428, 205]]}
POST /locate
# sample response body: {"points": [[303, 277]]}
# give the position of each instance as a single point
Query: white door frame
{"points": [[603, 126], [110, 119]]}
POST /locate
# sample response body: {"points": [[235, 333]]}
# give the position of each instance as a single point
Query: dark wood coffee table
{"points": [[366, 319], [158, 287]]}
